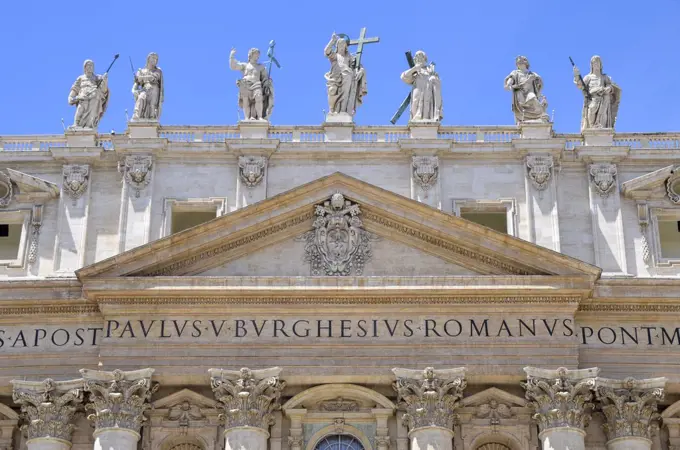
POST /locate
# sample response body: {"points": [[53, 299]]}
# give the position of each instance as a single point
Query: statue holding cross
{"points": [[346, 80], [426, 89]]}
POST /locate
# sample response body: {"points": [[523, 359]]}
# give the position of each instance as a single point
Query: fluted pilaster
{"points": [[630, 410], [49, 407]]}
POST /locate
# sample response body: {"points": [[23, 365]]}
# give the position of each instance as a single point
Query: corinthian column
{"points": [[630, 407], [561, 400], [118, 402], [49, 407], [248, 398], [430, 398]]}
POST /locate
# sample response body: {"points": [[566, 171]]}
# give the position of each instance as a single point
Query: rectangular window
{"points": [[14, 226], [4, 229], [183, 220], [180, 215], [495, 220], [669, 238], [499, 215], [10, 242]]}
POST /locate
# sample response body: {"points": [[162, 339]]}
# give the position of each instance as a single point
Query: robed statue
{"points": [[255, 88], [426, 92], [90, 95], [528, 103], [601, 96], [148, 90], [346, 83]]}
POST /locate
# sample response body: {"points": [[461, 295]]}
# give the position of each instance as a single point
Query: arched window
{"points": [[339, 442], [493, 446]]}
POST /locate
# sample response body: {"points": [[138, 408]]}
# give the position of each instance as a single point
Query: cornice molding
{"points": [[630, 308], [54, 310]]}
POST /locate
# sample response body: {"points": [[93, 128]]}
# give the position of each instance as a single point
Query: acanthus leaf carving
{"points": [[338, 245], [540, 168], [248, 397], [137, 171], [560, 399], [425, 171], [76, 178], [429, 397], [251, 169], [603, 177], [630, 406], [119, 399], [48, 407]]}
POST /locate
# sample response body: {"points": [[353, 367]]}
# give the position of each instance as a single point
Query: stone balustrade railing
{"points": [[367, 134]]}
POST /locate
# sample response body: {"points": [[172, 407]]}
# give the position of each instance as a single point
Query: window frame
{"points": [[172, 205], [507, 205], [658, 260], [18, 217]]}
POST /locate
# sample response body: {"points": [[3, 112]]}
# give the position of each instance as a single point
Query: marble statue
{"points": [[426, 93], [255, 89], [90, 95], [148, 90], [601, 96], [346, 83], [528, 103]]}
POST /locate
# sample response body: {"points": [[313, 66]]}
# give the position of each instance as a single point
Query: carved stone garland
{"points": [[251, 169], [136, 171], [119, 401], [76, 178], [338, 245], [429, 398], [49, 407], [36, 223], [603, 177], [6, 189], [425, 171], [673, 186], [560, 402], [630, 410], [249, 397], [540, 170]]}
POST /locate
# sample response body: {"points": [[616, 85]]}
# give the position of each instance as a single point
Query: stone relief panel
{"points": [[76, 178], [425, 171], [603, 177], [540, 169], [251, 169], [136, 170]]}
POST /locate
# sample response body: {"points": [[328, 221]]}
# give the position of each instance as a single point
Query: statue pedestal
{"points": [[254, 129], [143, 129], [338, 127], [79, 137], [424, 129], [598, 137], [536, 130]]}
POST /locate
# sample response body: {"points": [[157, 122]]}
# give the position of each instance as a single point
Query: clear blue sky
{"points": [[474, 44]]}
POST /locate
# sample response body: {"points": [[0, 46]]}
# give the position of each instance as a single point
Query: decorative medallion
{"points": [[338, 245], [137, 171], [251, 169], [603, 176], [494, 411], [673, 186], [76, 178], [6, 190], [540, 169], [425, 171], [339, 404], [183, 413]]}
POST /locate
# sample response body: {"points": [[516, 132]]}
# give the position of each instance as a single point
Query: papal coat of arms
{"points": [[137, 171], [604, 178], [540, 169], [425, 170], [338, 245], [251, 169], [76, 178]]}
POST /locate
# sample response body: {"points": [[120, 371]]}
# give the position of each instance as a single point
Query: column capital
{"points": [[630, 406], [430, 397], [562, 397], [248, 397], [118, 399], [49, 407]]}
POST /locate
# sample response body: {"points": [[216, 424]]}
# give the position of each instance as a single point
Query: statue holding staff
{"points": [[426, 94], [346, 80], [528, 103], [255, 89], [601, 97], [90, 95], [148, 90]]}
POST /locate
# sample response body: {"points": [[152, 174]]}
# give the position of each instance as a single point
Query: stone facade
{"points": [[361, 275]]}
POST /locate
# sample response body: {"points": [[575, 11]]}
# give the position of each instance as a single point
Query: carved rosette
{"points": [[540, 169], [560, 398], [338, 245], [673, 186], [429, 397], [76, 178], [137, 171], [603, 177], [630, 406], [251, 169], [119, 399], [249, 397], [48, 407], [425, 171], [6, 190]]}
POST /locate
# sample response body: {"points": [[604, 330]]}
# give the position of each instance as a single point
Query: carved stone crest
{"points": [[603, 176], [183, 413], [76, 178], [6, 190], [425, 171], [494, 411], [338, 244], [251, 169], [673, 186], [339, 404], [540, 170], [137, 171]]}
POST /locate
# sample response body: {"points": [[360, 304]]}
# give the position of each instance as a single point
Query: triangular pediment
{"points": [[32, 186], [493, 395], [399, 234], [653, 185], [185, 395]]}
